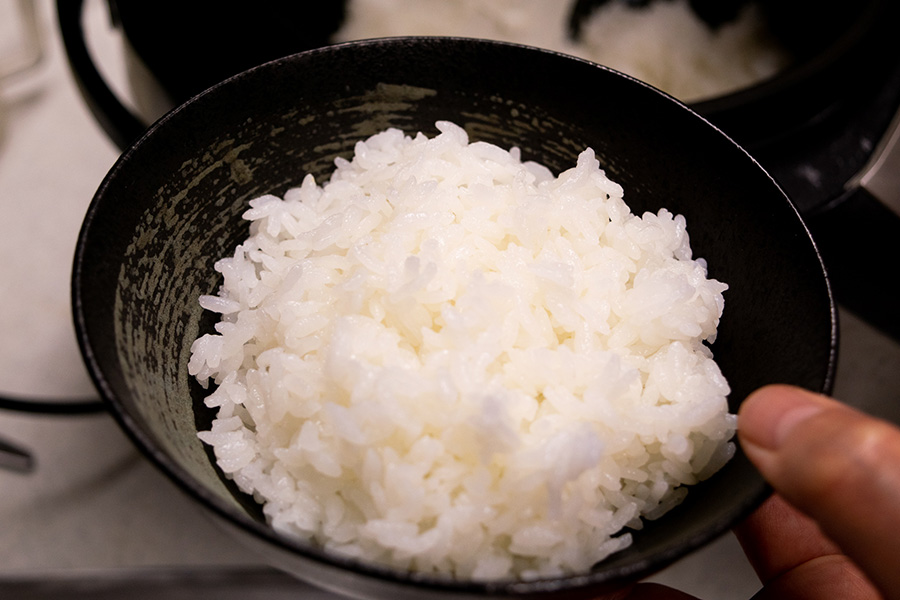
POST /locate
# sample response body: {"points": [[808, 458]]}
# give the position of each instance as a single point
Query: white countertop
{"points": [[93, 501]]}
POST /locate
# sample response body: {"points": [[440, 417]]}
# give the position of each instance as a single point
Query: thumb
{"points": [[837, 465]]}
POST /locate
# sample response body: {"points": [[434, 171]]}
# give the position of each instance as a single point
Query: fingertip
{"points": [[769, 414], [838, 465]]}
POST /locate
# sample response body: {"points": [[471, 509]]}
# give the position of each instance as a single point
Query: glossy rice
{"points": [[450, 360]]}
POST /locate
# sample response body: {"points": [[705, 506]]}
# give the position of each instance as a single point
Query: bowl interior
{"points": [[172, 206]]}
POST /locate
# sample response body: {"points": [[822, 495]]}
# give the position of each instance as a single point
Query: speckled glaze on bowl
{"points": [[172, 205]]}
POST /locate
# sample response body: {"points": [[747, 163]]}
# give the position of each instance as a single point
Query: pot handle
{"points": [[119, 123], [857, 230], [881, 176]]}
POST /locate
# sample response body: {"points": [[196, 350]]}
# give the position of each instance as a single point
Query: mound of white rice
{"points": [[446, 359]]}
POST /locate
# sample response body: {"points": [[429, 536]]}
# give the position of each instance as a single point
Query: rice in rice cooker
{"points": [[663, 43], [449, 360]]}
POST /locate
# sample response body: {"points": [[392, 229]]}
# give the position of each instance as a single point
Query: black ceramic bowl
{"points": [[172, 205]]}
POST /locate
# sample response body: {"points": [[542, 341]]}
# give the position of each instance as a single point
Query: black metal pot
{"points": [[172, 205]]}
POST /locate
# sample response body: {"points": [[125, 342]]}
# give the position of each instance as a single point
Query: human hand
{"points": [[833, 528]]}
